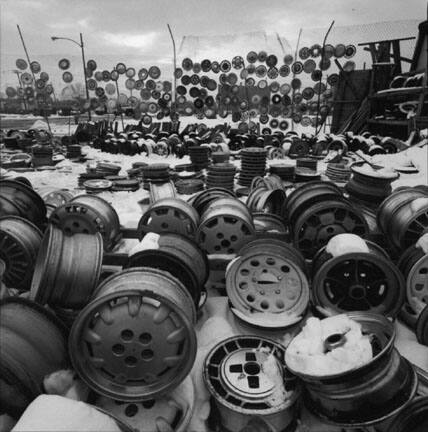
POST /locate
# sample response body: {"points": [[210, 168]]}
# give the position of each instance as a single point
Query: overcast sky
{"points": [[138, 27]]}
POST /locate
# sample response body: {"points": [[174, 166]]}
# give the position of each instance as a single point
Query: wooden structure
{"points": [[399, 110]]}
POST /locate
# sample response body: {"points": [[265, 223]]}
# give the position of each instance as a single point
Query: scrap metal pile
{"points": [[308, 263]]}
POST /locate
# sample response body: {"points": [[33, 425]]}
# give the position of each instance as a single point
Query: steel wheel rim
{"points": [[19, 245], [224, 230], [385, 365], [359, 281], [267, 282], [159, 215], [160, 296], [230, 358], [349, 221]]}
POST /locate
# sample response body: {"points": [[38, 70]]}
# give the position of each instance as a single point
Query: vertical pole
{"points": [[32, 73], [175, 67], [85, 76], [319, 93], [121, 113], [294, 76], [20, 86]]}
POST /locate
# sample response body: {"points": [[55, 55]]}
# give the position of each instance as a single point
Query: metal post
{"points": [[121, 113], [175, 67], [319, 93], [20, 86], [294, 76], [85, 76], [32, 73]]}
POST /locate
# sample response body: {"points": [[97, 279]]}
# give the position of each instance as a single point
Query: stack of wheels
{"points": [[189, 187], [283, 170], [220, 157], [162, 190], [137, 170], [135, 340], [200, 156], [97, 186], [155, 173], [88, 214], [368, 185], [338, 172], [350, 281], [169, 412], [178, 255], [18, 199], [225, 226], [268, 222], [413, 264], [344, 399], [316, 212], [107, 169], [304, 175], [34, 345], [403, 217], [42, 155], [83, 177], [20, 241], [245, 394], [221, 175], [268, 279], [253, 164], [127, 185], [202, 200], [267, 195], [54, 198], [67, 270], [307, 162], [169, 215], [74, 152]]}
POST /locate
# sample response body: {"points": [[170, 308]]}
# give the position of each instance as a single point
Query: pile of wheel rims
{"points": [[267, 195], [225, 226], [253, 164], [268, 277], [88, 214], [19, 243], [169, 215], [316, 212], [389, 383], [18, 199], [243, 389], [67, 269], [135, 340], [178, 255], [221, 175], [368, 185], [403, 216], [365, 281], [34, 344]]}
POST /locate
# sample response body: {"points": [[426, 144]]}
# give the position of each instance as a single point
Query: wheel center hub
{"points": [[357, 292]]}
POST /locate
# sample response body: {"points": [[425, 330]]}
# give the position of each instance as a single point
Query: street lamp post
{"points": [[54, 38]]}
